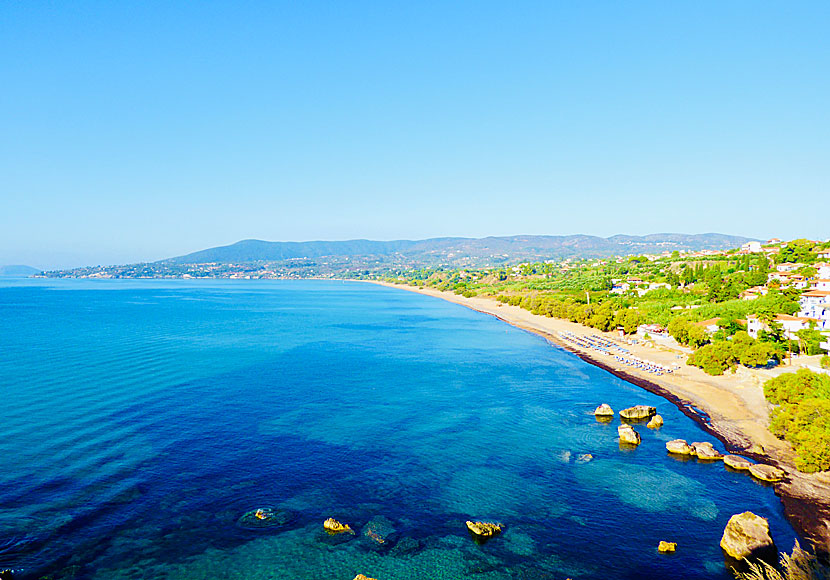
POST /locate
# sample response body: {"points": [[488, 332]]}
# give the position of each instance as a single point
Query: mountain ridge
{"points": [[481, 251]]}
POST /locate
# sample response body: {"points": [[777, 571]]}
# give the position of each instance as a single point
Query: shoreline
{"points": [[733, 410]]}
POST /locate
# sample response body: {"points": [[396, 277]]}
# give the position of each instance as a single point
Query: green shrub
{"points": [[803, 416], [825, 362]]}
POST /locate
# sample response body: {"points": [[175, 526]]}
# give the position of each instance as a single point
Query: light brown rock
{"points": [[638, 412], [678, 447], [737, 462], [656, 422], [334, 527], [628, 434], [766, 472], [705, 450], [666, 547], [484, 529], [362, 577], [604, 410], [745, 534]]}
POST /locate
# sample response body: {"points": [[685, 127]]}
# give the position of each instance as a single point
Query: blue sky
{"points": [[135, 131]]}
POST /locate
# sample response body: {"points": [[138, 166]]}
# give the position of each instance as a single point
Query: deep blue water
{"points": [[141, 419]]}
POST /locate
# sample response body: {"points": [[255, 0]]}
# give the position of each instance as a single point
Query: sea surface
{"points": [[141, 420]]}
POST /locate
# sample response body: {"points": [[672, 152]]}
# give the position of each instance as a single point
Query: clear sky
{"points": [[134, 131]]}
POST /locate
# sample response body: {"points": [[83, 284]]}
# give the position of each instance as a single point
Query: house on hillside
{"points": [[815, 305], [788, 267], [751, 248], [710, 326], [753, 293]]}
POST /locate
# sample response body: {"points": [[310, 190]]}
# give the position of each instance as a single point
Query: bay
{"points": [[142, 419]]}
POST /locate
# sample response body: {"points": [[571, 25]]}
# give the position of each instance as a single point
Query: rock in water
{"points": [[334, 527], [362, 577], [666, 547], [766, 472], [484, 529], [679, 447], [380, 530], [705, 450], [628, 434], [737, 462], [656, 422], [584, 458], [638, 412], [604, 410], [746, 534]]}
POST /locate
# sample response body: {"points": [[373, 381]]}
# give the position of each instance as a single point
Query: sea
{"points": [[144, 422]]}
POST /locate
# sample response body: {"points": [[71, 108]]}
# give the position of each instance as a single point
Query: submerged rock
{"points": [[746, 534], [656, 422], [584, 458], [379, 530], [737, 462], [766, 472], [484, 529], [604, 410], [265, 517], [628, 435], [705, 450], [666, 547], [362, 577], [332, 526], [638, 412]]}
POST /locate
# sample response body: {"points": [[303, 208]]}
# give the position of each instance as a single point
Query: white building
{"points": [[751, 247], [815, 304]]}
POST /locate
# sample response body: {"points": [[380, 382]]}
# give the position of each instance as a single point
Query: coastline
{"points": [[731, 408]]}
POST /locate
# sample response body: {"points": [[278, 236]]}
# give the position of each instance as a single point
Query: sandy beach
{"points": [[731, 407]]}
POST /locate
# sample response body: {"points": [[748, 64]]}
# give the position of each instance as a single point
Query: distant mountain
{"points": [[18, 271], [461, 251]]}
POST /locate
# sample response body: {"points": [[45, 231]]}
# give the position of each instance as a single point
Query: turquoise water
{"points": [[142, 419]]}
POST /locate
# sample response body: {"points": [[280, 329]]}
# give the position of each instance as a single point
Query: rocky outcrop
{"points": [[656, 422], [737, 462], [362, 577], [604, 410], [679, 447], [705, 450], [766, 472], [666, 547], [638, 412], [332, 526], [484, 529], [628, 435], [746, 534]]}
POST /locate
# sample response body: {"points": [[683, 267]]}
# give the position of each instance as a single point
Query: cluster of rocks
{"points": [[705, 451]]}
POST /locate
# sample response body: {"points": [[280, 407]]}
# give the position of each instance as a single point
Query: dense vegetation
{"points": [[803, 416]]}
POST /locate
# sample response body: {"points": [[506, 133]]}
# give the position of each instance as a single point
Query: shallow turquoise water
{"points": [[143, 418]]}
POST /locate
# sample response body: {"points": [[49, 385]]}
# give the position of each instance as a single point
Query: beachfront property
{"points": [[790, 324]]}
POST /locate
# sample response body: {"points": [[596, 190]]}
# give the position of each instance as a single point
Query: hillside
{"points": [[462, 251]]}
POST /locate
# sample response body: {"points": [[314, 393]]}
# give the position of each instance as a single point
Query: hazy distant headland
{"points": [[17, 271], [353, 258]]}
